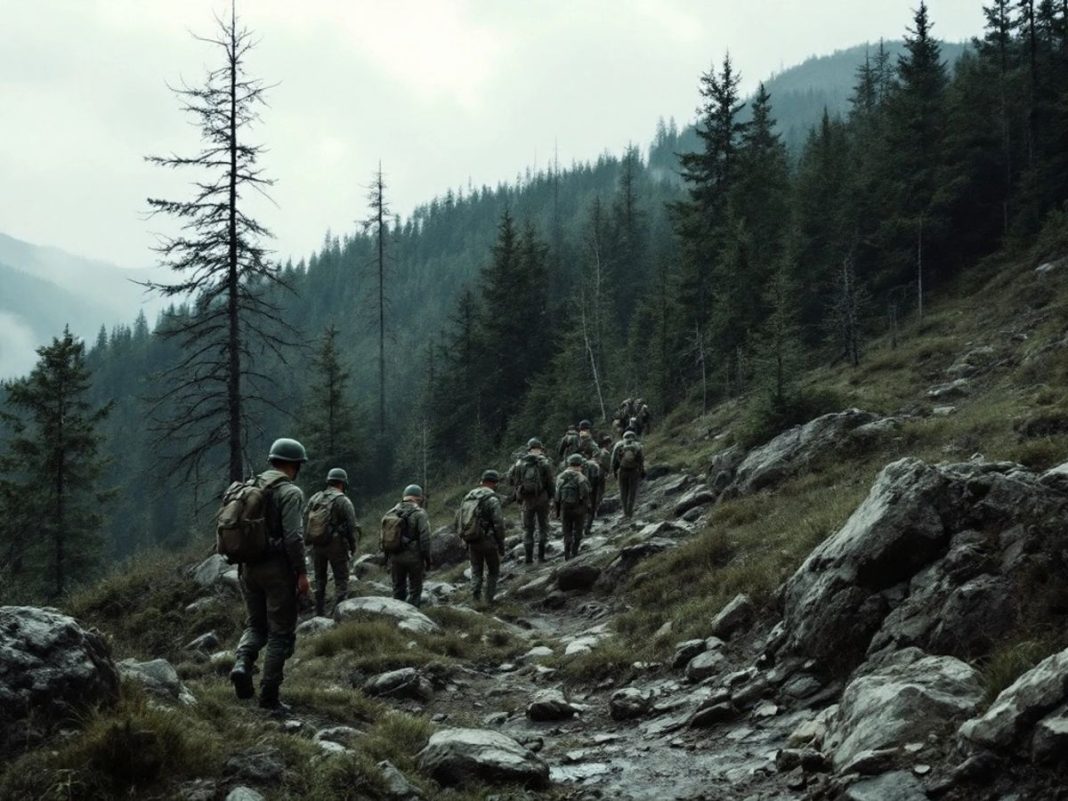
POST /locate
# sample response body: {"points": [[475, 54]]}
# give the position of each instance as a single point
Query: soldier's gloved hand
{"points": [[303, 588]]}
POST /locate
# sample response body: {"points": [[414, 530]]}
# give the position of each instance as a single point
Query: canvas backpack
{"points": [[593, 472], [396, 529], [572, 493], [242, 533], [321, 526], [628, 455], [473, 524], [571, 444], [531, 477]]}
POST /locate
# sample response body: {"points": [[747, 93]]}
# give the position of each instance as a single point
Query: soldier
{"points": [[406, 544], [271, 584], [587, 446], [572, 502], [532, 480], [330, 529], [628, 466], [569, 444], [480, 523], [645, 417], [591, 468]]}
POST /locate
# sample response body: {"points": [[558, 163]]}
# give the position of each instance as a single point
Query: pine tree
{"points": [[329, 418], [222, 266], [52, 505], [378, 224]]}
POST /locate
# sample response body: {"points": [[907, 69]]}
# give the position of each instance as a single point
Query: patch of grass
{"points": [[611, 659], [397, 737], [1011, 660]]}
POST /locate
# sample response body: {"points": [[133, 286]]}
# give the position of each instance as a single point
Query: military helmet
{"points": [[491, 476], [337, 474], [575, 460], [413, 491], [585, 425], [630, 434], [533, 443], [287, 450]]}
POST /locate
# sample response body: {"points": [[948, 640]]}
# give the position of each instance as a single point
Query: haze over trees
{"points": [[723, 273]]}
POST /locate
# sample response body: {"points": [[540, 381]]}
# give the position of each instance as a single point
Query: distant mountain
{"points": [[43, 289]]}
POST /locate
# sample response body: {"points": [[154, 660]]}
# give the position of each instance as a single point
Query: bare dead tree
{"points": [[221, 267], [850, 300], [377, 224]]}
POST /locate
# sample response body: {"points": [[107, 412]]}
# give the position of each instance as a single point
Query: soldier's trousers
{"points": [[336, 557], [484, 560], [270, 592], [628, 489], [406, 569], [573, 522], [595, 504], [538, 511]]}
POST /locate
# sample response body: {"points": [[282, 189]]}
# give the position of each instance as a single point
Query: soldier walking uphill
{"points": [[587, 445], [597, 477], [260, 528], [573, 493], [532, 480], [406, 544], [331, 531], [628, 466], [480, 524], [569, 444]]}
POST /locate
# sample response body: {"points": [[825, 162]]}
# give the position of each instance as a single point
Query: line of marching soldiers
{"points": [[273, 575]]}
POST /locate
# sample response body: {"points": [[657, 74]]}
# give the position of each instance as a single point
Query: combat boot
{"points": [[269, 700], [320, 604], [541, 551], [241, 678], [529, 551]]}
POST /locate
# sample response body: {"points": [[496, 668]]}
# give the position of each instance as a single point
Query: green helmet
{"points": [[287, 450], [575, 460], [491, 476], [413, 491], [337, 474], [533, 443], [585, 425], [628, 434]]}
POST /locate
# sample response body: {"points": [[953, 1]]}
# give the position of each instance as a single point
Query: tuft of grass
{"points": [[1010, 661], [612, 659], [398, 737]]}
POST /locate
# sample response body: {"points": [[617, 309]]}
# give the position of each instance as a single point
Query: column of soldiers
{"points": [[274, 580]]}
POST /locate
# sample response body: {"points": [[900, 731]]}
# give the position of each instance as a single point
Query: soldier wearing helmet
{"points": [[531, 478], [338, 538], [411, 558], [270, 585], [573, 493]]}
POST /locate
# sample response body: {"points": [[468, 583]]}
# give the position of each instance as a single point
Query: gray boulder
{"points": [[1013, 715], [158, 677], [629, 703], [462, 756], [628, 558], [407, 616], [316, 625], [404, 683], [51, 671], [259, 765], [735, 616], [578, 574], [904, 699], [242, 793], [550, 705], [1050, 742], [446, 548], [210, 572], [897, 786], [685, 651], [398, 788], [342, 735], [205, 643], [698, 496], [704, 665]]}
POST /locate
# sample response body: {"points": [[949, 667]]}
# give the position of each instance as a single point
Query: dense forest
{"points": [[720, 262]]}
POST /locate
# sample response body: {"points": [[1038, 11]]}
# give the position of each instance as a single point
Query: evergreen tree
{"points": [[378, 225], [330, 420], [52, 505], [222, 265]]}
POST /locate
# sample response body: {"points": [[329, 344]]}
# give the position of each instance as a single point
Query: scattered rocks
{"points": [[342, 735], [808, 759], [407, 616], [551, 705], [403, 683], [538, 653], [460, 756], [698, 496], [736, 615], [158, 677], [51, 669], [959, 388], [685, 652], [705, 665], [629, 703], [259, 765]]}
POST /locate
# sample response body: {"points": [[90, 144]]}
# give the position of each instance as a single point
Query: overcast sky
{"points": [[441, 91]]}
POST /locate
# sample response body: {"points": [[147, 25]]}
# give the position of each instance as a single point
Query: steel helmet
{"points": [[491, 476], [629, 434], [575, 460], [287, 450], [413, 491], [337, 474], [585, 425], [533, 443]]}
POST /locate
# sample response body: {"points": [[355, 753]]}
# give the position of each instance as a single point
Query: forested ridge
{"points": [[721, 263]]}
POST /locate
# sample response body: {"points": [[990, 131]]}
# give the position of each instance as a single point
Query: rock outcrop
{"points": [[461, 756], [406, 616], [159, 679], [51, 671]]}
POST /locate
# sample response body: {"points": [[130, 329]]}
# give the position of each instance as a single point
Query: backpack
{"points": [[396, 529], [531, 481], [571, 444], [587, 447], [593, 472], [628, 455], [571, 490], [321, 527], [472, 522], [241, 530]]}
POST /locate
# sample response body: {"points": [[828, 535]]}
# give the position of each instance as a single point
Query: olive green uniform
{"points": [[535, 507], [573, 516], [335, 554], [629, 477], [486, 552], [269, 585], [408, 565], [597, 478]]}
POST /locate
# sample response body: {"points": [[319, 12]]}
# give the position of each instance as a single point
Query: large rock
{"points": [[446, 548], [578, 574], [897, 786], [550, 705], [407, 616], [398, 788], [940, 557], [629, 703], [698, 496], [210, 572], [903, 700], [463, 756], [1050, 742], [734, 617], [628, 558], [158, 677], [793, 450], [1013, 715], [705, 665], [403, 683], [51, 671]]}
